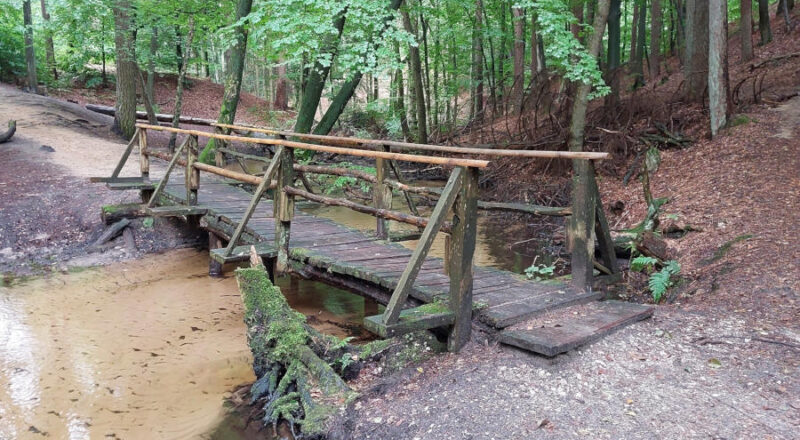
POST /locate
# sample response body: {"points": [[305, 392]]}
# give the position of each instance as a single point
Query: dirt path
{"points": [[49, 212], [723, 361]]}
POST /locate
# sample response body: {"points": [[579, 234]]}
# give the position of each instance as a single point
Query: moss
{"points": [[299, 252], [726, 247], [434, 308], [207, 156], [737, 120]]}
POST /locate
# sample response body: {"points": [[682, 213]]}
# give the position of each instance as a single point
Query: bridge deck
{"points": [[503, 298]]}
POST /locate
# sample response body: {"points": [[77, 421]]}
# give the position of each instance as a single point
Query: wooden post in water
{"points": [[581, 224], [283, 208], [214, 267], [192, 173], [382, 193], [462, 250]]}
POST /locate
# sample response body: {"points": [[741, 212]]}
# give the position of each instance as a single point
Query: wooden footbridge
{"points": [[420, 292]]}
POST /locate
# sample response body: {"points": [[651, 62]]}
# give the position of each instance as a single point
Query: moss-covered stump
{"points": [[294, 383]]}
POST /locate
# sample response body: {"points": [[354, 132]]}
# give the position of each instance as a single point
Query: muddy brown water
{"points": [[144, 349]]}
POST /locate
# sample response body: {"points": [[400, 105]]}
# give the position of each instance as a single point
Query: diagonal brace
{"points": [[163, 183]]}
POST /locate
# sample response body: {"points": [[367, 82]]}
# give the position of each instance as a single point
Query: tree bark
{"points": [[477, 64], [518, 89], [641, 43], [317, 75], [655, 38], [125, 116], [612, 72], [233, 79], [763, 22], [151, 64], [30, 54], [281, 101], [181, 79], [696, 64], [746, 29], [718, 89], [416, 77], [48, 42]]}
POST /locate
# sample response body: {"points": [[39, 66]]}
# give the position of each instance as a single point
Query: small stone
{"points": [[377, 420]]}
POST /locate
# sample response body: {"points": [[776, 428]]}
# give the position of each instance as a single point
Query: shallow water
{"points": [[143, 349]]}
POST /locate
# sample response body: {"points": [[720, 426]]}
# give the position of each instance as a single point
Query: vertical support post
{"points": [[144, 159], [462, 250], [219, 156], [214, 267], [382, 193], [448, 246], [192, 173], [144, 164], [581, 224], [283, 208]]}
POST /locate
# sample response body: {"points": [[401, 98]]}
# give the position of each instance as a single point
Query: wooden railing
{"points": [[459, 195]]}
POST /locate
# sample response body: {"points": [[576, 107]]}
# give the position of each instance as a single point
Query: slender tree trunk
{"points": [[696, 64], [612, 74], [401, 104], [634, 34], [535, 65], [477, 63], [232, 78], [502, 54], [641, 43], [176, 113], [30, 55], [518, 90], [125, 115], [655, 38], [151, 64], [763, 22], [281, 101], [783, 9], [416, 77], [746, 29], [315, 81], [48, 42], [348, 89], [718, 88]]}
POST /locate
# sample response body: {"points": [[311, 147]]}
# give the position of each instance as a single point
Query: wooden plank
{"points": [[438, 216], [176, 211], [242, 253], [411, 320], [602, 232], [283, 207], [192, 175], [569, 331], [144, 159], [132, 185], [381, 194], [516, 311]]}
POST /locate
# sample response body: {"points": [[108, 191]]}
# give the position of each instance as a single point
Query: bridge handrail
{"points": [[541, 154], [433, 160]]}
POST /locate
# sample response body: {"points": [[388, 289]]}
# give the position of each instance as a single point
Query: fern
{"points": [[642, 263], [662, 280]]}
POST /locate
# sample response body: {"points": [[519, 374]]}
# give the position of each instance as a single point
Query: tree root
{"points": [[12, 128]]}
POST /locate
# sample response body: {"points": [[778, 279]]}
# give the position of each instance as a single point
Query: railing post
{"points": [[192, 173], [462, 250], [144, 159], [382, 193], [219, 156], [581, 224], [283, 208]]}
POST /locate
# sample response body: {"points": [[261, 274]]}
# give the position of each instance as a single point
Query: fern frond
{"points": [[642, 262]]}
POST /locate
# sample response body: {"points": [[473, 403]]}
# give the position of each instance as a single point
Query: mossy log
{"points": [[8, 134], [296, 366]]}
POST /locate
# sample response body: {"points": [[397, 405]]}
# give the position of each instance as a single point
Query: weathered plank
{"points": [[570, 330], [411, 320], [509, 313]]}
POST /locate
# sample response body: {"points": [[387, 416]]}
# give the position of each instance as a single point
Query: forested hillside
{"points": [[503, 72]]}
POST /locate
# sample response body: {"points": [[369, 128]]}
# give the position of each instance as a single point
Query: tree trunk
{"points": [[641, 43], [30, 55], [416, 78], [181, 79], [400, 109], [281, 101], [151, 64], [535, 63], [518, 89], [763, 22], [315, 81], [233, 79], [718, 89], [125, 116], [48, 42], [655, 39], [696, 64], [344, 95], [477, 64], [612, 74], [746, 29]]}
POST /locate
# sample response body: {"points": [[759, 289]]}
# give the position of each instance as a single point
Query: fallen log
{"points": [[161, 117], [111, 232], [12, 128]]}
